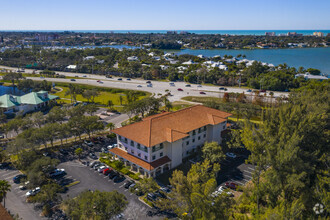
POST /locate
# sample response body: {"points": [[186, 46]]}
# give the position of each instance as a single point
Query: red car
{"points": [[231, 185], [106, 171], [180, 89], [98, 81], [203, 93]]}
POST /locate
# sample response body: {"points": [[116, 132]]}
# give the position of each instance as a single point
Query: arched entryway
{"points": [[158, 171], [134, 167], [141, 171]]}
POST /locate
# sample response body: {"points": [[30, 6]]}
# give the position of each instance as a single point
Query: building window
{"points": [[204, 135], [187, 152], [199, 130], [146, 149], [153, 148], [187, 143], [161, 154], [132, 143], [125, 140], [199, 137], [161, 146], [204, 128], [194, 132], [224, 126], [119, 137], [193, 140], [145, 157], [139, 154], [154, 157], [138, 146], [132, 151], [126, 148]]}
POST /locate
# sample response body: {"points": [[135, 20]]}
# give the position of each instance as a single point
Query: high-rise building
{"points": [[318, 34], [270, 34]]}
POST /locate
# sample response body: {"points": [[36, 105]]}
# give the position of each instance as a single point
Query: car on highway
{"points": [[119, 79], [98, 81], [222, 88], [72, 80], [84, 76], [17, 179], [249, 90], [172, 84], [128, 79], [231, 155], [149, 85], [148, 82], [262, 90], [179, 89], [139, 86], [199, 86], [108, 76], [33, 192], [76, 76], [202, 93], [231, 185], [188, 85]]}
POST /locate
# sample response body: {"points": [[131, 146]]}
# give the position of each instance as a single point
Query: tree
{"points": [[147, 185], [111, 126], [192, 194], [38, 119], [56, 114], [78, 152], [48, 194], [11, 76], [90, 94], [73, 91], [313, 71], [95, 205], [213, 152], [226, 97], [91, 109], [90, 124], [4, 188], [110, 104]]}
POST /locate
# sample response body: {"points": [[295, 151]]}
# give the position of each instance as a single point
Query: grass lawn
{"points": [[202, 99], [102, 99]]}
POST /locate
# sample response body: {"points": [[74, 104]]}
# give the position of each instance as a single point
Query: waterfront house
{"points": [[308, 76], [33, 101], [161, 142], [132, 58]]}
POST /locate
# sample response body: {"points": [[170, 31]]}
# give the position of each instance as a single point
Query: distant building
{"points": [[30, 102], [318, 34], [310, 76], [89, 58], [72, 67], [132, 58], [293, 34], [270, 34], [171, 32]]}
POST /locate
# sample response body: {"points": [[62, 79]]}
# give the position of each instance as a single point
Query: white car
{"points": [[33, 192], [231, 155], [101, 168], [199, 86], [112, 146]]}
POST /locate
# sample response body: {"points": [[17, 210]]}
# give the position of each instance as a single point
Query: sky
{"points": [[164, 15]]}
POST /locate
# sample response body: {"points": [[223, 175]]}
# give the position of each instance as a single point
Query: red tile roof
{"points": [[171, 126], [133, 159]]}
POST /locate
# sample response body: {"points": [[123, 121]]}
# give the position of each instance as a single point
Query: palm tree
{"points": [[4, 188], [111, 126]]}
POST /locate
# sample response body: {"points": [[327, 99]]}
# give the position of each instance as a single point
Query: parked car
{"points": [[2, 136], [33, 192], [106, 171], [93, 156], [104, 150], [160, 195], [151, 197], [97, 166], [24, 185], [4, 165], [57, 173], [203, 93], [113, 174], [222, 189], [165, 189], [17, 179], [231, 155], [128, 184], [112, 146], [179, 89], [92, 164], [101, 168], [231, 185], [118, 178]]}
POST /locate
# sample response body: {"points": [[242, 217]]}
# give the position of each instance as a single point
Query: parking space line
{"points": [[7, 174], [237, 182], [121, 185], [248, 175], [17, 187], [23, 195], [105, 177], [248, 171], [125, 190], [10, 177], [251, 168]]}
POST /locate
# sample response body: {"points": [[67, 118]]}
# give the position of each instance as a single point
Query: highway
{"points": [[158, 87]]}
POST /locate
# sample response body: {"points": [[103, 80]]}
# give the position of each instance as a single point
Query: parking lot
{"points": [[235, 170], [15, 200], [91, 179]]}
